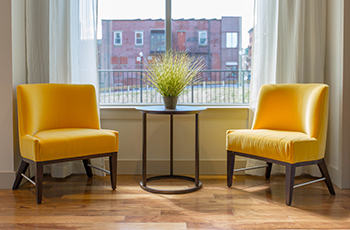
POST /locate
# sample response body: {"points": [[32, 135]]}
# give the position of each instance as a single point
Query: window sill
{"points": [[128, 112], [223, 106]]}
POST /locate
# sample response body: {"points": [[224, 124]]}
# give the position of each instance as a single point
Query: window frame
{"points": [[199, 37], [156, 32], [121, 38], [142, 38]]}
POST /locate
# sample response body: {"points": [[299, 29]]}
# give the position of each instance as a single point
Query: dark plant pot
{"points": [[170, 102]]}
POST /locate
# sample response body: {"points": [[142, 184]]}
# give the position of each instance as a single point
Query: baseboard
{"points": [[7, 179], [206, 167]]}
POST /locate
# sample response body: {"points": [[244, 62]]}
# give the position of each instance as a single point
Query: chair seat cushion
{"points": [[68, 143], [285, 146]]}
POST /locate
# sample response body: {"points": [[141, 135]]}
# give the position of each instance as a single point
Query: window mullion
{"points": [[168, 24]]}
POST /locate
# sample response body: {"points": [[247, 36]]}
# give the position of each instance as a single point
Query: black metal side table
{"points": [[178, 111]]}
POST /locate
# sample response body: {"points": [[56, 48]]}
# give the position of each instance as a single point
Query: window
{"points": [[231, 40], [202, 38], [117, 38], [216, 33], [138, 38], [157, 41]]}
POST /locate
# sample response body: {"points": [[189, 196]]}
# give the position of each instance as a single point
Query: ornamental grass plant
{"points": [[171, 72]]}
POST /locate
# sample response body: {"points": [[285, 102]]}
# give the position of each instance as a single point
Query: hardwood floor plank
{"points": [[184, 218], [52, 219], [100, 226], [201, 214]]}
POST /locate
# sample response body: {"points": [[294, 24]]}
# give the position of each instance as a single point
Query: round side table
{"points": [[178, 111]]}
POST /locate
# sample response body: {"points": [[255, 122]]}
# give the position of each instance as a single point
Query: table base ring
{"points": [[179, 191]]}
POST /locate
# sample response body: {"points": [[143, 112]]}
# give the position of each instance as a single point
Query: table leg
{"points": [[144, 149], [145, 179], [197, 154], [171, 145]]}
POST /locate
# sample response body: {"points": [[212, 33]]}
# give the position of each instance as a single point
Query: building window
{"points": [[231, 40], [202, 38], [138, 38], [157, 41], [117, 38]]}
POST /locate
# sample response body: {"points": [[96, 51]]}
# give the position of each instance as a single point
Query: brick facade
{"points": [[212, 46]]}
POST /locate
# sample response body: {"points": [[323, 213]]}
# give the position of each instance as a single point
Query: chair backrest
{"points": [[55, 106], [293, 107]]}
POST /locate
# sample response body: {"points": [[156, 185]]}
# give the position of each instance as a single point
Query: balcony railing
{"points": [[215, 87]]}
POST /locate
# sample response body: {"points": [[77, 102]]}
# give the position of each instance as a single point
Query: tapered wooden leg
{"points": [[22, 169], [323, 168], [230, 167], [87, 168], [268, 170], [39, 175], [290, 173], [113, 169]]}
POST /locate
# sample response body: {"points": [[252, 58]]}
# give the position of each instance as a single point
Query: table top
{"points": [[177, 110]]}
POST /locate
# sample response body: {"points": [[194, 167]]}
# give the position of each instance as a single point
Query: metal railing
{"points": [[215, 87]]}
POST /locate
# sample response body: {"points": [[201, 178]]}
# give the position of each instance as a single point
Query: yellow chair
{"points": [[289, 128], [58, 123]]}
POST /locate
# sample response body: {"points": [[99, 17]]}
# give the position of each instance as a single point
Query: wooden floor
{"points": [[253, 203]]}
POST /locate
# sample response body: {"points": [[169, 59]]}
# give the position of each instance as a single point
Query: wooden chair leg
{"points": [[290, 173], [268, 170], [323, 168], [230, 167], [39, 176], [113, 169], [22, 169], [87, 168]]}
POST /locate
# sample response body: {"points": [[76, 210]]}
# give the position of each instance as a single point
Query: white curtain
{"points": [[289, 47], [61, 40]]}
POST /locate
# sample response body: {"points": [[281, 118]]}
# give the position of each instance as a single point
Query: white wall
{"points": [[213, 124], [337, 73]]}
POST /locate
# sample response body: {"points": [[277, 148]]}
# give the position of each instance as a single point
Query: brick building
{"points": [[218, 41], [250, 48]]}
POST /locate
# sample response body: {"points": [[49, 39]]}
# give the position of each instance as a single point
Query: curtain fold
{"points": [[37, 42], [289, 47], [61, 41]]}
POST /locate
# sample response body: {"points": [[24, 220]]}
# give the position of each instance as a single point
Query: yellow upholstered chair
{"points": [[289, 128], [60, 122]]}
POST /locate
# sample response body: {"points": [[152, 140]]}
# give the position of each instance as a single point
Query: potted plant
{"points": [[170, 73]]}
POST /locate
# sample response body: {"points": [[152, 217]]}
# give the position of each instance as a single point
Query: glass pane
{"points": [[218, 32], [157, 41], [231, 40], [121, 56], [132, 32]]}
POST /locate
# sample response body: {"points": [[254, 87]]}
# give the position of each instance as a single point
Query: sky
{"points": [[155, 9]]}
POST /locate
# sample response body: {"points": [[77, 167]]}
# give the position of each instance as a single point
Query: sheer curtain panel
{"points": [[61, 43], [289, 47]]}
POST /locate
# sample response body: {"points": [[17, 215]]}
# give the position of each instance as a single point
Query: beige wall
{"points": [[213, 124], [12, 72], [6, 106], [18, 64], [345, 154], [337, 76]]}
